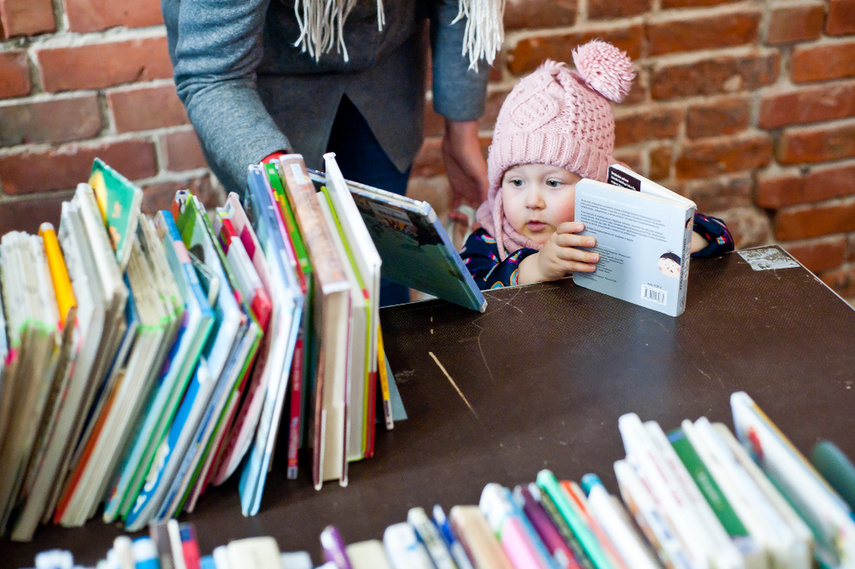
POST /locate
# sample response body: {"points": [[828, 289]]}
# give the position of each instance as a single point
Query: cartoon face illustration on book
{"points": [[669, 264]]}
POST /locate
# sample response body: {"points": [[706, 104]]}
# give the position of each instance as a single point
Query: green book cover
{"points": [[706, 483], [120, 201]]}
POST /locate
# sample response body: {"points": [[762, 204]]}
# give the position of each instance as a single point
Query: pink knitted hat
{"points": [[559, 117]]}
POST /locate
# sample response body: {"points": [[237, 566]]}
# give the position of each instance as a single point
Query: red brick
{"points": [[145, 108], [816, 144], [748, 226], [160, 195], [694, 3], [819, 184], [795, 23], [841, 18], [715, 76], [55, 120], [647, 124], [660, 162], [530, 52], [714, 157], [495, 99], [95, 15], [96, 66], [428, 162], [802, 222], [26, 18], [434, 122], [841, 281], [719, 195], [808, 105], [721, 30], [819, 255], [727, 116], [183, 151], [526, 14], [612, 9], [27, 215], [14, 74], [65, 167], [820, 63]]}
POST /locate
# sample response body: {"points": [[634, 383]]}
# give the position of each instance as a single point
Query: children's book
{"points": [[332, 319], [52, 436], [303, 366], [120, 201], [288, 305], [33, 318], [825, 512], [415, 248], [198, 321], [644, 237], [366, 263]]}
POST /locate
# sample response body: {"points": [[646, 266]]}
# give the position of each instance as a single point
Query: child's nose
{"points": [[534, 198]]}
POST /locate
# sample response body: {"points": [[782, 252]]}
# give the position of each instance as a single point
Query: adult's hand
{"points": [[464, 165]]}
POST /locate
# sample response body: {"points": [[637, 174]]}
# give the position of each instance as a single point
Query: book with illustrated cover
{"points": [[415, 248], [120, 201], [644, 236]]}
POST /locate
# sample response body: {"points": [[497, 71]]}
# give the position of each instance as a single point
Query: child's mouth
{"points": [[536, 225]]}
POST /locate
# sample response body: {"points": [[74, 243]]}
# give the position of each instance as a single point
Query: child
{"points": [[555, 128]]}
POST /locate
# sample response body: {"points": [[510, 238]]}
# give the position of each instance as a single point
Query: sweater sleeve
{"points": [[481, 256], [459, 92], [715, 232]]}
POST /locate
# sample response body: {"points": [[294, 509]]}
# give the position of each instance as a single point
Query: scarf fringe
{"points": [[322, 27]]}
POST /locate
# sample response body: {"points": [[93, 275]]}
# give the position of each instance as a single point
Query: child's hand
{"points": [[560, 255]]}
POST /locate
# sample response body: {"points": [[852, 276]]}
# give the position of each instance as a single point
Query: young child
{"points": [[555, 128]]}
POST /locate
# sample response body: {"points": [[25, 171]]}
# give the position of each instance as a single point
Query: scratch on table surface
{"points": [[454, 385], [705, 374]]}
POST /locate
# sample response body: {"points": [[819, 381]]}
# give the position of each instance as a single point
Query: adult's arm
{"points": [[216, 47], [459, 95]]}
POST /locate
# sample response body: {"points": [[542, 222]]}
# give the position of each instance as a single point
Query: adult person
{"points": [[258, 77]]}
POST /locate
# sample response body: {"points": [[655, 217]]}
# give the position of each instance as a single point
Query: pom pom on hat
{"points": [[605, 68]]}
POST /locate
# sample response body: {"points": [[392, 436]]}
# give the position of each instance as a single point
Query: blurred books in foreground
{"points": [[696, 496]]}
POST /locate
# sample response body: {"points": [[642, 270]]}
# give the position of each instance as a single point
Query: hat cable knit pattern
{"points": [[559, 117]]}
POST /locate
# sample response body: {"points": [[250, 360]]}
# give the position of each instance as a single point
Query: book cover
{"points": [[644, 236], [120, 201], [414, 247]]}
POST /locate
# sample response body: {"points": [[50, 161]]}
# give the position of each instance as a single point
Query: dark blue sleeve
{"points": [[715, 232], [481, 256]]}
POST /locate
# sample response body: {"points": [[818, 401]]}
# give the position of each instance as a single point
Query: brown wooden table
{"points": [[543, 376]]}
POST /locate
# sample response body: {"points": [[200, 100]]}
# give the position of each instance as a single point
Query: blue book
{"points": [[283, 331], [198, 322]]}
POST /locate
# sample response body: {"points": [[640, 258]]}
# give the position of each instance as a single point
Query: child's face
{"points": [[537, 198]]}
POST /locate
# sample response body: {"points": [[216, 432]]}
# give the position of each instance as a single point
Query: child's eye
{"points": [[516, 182], [554, 183]]}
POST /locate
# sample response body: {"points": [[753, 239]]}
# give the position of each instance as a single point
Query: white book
{"points": [[763, 522], [356, 378], [724, 554], [650, 519], [404, 549], [666, 492], [644, 237], [368, 554], [825, 512]]}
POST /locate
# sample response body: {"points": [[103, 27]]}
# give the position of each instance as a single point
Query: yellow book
{"points": [[65, 300], [383, 377]]}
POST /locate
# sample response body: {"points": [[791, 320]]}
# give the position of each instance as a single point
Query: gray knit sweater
{"points": [[249, 92]]}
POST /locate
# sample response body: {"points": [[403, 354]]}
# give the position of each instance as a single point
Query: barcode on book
{"points": [[654, 294]]}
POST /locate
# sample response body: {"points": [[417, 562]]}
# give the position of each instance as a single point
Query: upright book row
{"points": [[698, 496], [144, 358]]}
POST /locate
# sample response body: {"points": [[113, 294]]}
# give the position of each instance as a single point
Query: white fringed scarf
{"points": [[322, 25]]}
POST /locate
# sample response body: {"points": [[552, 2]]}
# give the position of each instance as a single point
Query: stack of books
{"points": [[697, 496], [144, 358]]}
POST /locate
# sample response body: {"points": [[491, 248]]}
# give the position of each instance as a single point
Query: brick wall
{"points": [[747, 107]]}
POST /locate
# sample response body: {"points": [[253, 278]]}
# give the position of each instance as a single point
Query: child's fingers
{"points": [[574, 240], [570, 227]]}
